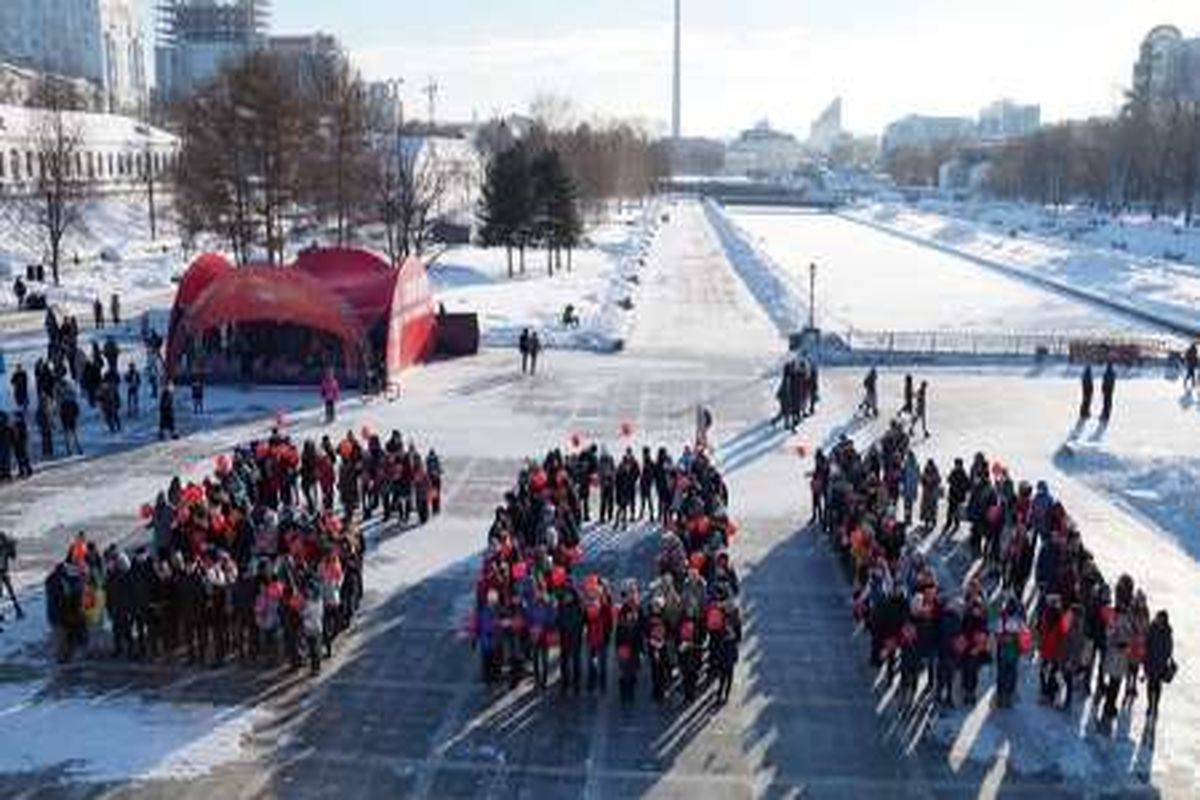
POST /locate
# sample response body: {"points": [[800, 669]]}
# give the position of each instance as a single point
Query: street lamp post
{"points": [[812, 296]]}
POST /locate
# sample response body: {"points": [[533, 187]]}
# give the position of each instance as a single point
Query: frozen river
{"points": [[868, 280]]}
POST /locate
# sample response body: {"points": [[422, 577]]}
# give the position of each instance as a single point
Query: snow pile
{"points": [[116, 738], [771, 286], [601, 284], [1129, 271]]}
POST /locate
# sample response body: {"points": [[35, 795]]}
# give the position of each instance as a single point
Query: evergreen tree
{"points": [[505, 207], [555, 221]]}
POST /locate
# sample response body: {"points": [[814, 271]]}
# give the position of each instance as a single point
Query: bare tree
{"points": [[410, 185], [240, 162], [60, 181], [337, 182]]}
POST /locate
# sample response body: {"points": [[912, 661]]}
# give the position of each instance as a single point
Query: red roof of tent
{"points": [[362, 279], [267, 294], [199, 275]]}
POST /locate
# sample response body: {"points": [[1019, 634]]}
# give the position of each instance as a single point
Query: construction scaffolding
{"points": [[212, 21]]}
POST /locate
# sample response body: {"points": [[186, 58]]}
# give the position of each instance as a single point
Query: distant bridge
{"points": [[732, 192]]}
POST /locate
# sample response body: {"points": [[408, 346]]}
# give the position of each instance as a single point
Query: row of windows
{"points": [[27, 165]]}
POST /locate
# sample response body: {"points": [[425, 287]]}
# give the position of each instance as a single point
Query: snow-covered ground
{"points": [[601, 284], [867, 280], [698, 332], [1151, 267], [116, 227]]}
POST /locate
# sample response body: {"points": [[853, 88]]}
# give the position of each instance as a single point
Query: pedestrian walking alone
{"points": [[1190, 361], [329, 394]]}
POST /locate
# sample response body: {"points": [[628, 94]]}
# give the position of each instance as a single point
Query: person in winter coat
{"points": [[6, 455], [313, 616], [1053, 624], [608, 486], [1116, 659], [20, 446], [1087, 391], [542, 618], [330, 392], [1160, 661], [958, 484], [931, 493], [951, 646], [166, 412], [629, 649], [570, 637], [1108, 385], [725, 641], [1010, 646], [975, 631], [1077, 656], [657, 649], [910, 484], [598, 619]]}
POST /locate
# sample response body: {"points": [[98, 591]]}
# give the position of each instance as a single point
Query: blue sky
{"points": [[749, 59]]}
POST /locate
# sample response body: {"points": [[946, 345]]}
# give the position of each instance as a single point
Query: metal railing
{"points": [[1002, 344]]}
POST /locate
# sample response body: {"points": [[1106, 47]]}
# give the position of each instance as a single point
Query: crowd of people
{"points": [[1033, 588], [535, 596], [50, 397], [261, 561]]}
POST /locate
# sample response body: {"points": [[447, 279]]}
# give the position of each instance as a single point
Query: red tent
{"points": [[352, 294], [207, 267]]}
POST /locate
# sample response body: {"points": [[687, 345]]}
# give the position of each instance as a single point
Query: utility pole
{"points": [[812, 296]]}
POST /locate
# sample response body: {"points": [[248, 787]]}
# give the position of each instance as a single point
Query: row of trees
{"points": [[1148, 157], [265, 154], [529, 199]]}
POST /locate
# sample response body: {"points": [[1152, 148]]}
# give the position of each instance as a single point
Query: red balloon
{"points": [[626, 429], [520, 570], [801, 450], [366, 432], [147, 511], [224, 464], [576, 441], [558, 577]]}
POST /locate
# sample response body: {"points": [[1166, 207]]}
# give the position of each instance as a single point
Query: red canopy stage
{"points": [[383, 314]]}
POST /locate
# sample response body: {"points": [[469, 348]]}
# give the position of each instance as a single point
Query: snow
{"points": [[867, 280], [1151, 268], [1030, 426], [140, 740], [601, 281], [142, 272], [1131, 486]]}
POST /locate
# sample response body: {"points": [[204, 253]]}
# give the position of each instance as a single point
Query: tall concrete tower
{"points": [[676, 122]]}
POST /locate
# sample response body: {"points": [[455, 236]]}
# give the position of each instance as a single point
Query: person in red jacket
{"points": [[598, 624], [1053, 624]]}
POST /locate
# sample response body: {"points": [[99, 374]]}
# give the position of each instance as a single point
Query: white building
{"points": [[763, 152], [456, 165], [100, 41], [1005, 119], [116, 152], [917, 130]]}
